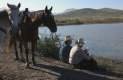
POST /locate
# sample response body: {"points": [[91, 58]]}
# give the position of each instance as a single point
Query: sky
{"points": [[61, 5]]}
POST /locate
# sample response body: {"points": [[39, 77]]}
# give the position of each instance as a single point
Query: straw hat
{"points": [[80, 41]]}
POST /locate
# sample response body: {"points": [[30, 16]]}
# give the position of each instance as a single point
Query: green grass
{"points": [[67, 21], [47, 47]]}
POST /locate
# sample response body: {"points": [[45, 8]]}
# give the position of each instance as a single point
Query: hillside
{"points": [[89, 15]]}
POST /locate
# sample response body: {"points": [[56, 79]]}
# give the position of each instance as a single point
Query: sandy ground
{"points": [[46, 69]]}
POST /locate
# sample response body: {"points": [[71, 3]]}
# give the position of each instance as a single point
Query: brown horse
{"points": [[29, 30]]}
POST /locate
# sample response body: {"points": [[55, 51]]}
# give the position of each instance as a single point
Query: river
{"points": [[102, 39]]}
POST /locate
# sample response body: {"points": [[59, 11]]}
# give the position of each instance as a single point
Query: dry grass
{"points": [[115, 66]]}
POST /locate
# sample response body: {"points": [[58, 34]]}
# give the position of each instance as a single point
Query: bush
{"points": [[48, 47]]}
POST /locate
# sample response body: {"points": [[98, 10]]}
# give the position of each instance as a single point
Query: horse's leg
{"points": [[16, 52], [35, 45], [27, 53], [9, 42], [21, 51], [33, 52]]}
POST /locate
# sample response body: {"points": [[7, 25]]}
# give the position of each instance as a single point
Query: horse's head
{"points": [[14, 15], [48, 20]]}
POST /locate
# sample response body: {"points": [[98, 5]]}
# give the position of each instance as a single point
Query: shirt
{"points": [[77, 54]]}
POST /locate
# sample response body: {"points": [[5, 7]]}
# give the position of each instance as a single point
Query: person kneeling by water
{"points": [[66, 49], [80, 58]]}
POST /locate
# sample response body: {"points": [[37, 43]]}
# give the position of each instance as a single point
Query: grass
{"points": [[47, 47], [115, 66], [70, 21]]}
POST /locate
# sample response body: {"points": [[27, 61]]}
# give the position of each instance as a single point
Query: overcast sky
{"points": [[61, 5]]}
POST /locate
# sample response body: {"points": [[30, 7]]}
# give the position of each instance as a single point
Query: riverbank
{"points": [[112, 65], [51, 69], [48, 68], [80, 21]]}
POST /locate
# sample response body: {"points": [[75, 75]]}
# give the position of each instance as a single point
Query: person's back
{"points": [[66, 49], [65, 53], [76, 55]]}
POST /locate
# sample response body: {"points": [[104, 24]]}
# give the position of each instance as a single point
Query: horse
{"points": [[2, 30], [14, 19], [4, 21], [29, 30], [9, 20]]}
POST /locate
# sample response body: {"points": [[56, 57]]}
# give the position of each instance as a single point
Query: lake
{"points": [[102, 39]]}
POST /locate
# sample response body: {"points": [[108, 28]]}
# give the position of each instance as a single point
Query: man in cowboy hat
{"points": [[79, 57], [66, 49]]}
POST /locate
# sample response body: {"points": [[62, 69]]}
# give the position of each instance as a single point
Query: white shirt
{"points": [[76, 55]]}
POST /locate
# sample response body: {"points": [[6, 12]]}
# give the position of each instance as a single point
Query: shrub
{"points": [[48, 47]]}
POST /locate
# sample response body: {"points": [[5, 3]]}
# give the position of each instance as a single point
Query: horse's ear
{"points": [[51, 8], [19, 5], [46, 8], [8, 5]]}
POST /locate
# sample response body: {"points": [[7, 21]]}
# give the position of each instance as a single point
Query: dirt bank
{"points": [[47, 69]]}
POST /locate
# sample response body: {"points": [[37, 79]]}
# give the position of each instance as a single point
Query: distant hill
{"points": [[111, 10], [89, 12], [89, 15], [69, 10]]}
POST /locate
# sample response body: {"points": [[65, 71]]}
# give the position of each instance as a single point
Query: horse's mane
{"points": [[34, 18], [3, 13], [37, 15]]}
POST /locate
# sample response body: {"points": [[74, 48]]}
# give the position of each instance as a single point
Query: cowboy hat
{"points": [[80, 41], [67, 38]]}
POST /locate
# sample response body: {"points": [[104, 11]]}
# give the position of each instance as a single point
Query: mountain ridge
{"points": [[101, 9], [90, 15]]}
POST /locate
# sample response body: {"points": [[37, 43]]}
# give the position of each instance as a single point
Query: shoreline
{"points": [[65, 24], [19, 72], [112, 65]]}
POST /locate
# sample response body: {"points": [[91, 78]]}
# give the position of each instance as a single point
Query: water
{"points": [[102, 39]]}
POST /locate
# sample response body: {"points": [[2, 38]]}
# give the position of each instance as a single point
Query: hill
{"points": [[89, 15]]}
